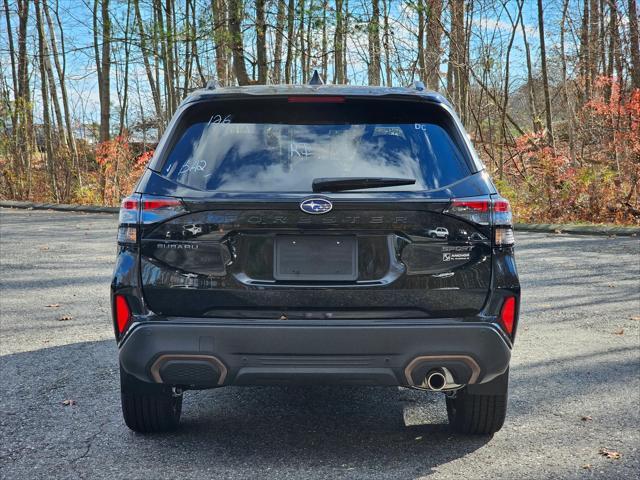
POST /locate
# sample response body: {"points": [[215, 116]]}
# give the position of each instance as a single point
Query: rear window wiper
{"points": [[357, 183]]}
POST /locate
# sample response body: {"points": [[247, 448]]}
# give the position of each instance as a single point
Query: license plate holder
{"points": [[316, 258]]}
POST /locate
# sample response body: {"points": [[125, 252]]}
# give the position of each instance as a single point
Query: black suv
{"points": [[315, 234]]}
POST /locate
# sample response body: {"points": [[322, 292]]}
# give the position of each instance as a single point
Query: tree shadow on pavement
{"points": [[315, 431], [279, 432]]}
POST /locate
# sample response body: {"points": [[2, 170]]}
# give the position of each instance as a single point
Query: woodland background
{"points": [[549, 91]]}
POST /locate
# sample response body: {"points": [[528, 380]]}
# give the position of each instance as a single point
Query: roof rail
{"points": [[316, 79], [212, 84]]}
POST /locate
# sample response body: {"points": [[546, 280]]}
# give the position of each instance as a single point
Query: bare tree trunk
{"points": [[125, 83], [24, 131], [420, 61], [155, 94], [594, 38], [338, 63], [176, 55], [585, 51], [467, 15], [505, 94], [545, 77], [14, 111], [236, 14], [309, 39], [533, 108], [386, 42], [565, 81], [291, 14], [279, 34], [261, 43], [374, 44], [345, 32], [634, 43], [103, 65], [170, 58], [220, 36], [46, 119], [434, 38], [456, 53], [188, 48], [63, 89], [325, 40], [303, 50], [194, 42], [12, 55]]}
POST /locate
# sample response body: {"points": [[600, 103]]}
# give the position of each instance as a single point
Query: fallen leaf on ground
{"points": [[557, 231], [605, 452], [64, 318], [44, 247], [586, 418], [69, 403], [619, 332], [587, 466], [53, 305], [637, 318], [611, 285]]}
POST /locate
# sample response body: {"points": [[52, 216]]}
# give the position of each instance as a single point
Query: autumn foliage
{"points": [[592, 177], [119, 168]]}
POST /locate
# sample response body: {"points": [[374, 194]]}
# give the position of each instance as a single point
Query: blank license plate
{"points": [[316, 258]]}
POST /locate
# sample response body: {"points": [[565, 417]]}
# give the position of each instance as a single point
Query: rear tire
{"points": [[149, 407], [476, 414]]}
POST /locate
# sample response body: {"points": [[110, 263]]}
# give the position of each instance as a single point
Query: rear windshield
{"points": [[279, 146]]}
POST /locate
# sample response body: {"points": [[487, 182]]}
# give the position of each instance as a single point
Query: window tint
{"points": [[221, 154]]}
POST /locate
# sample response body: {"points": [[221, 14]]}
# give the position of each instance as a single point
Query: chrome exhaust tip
{"points": [[436, 380]]}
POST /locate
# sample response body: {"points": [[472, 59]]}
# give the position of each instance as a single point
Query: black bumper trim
{"points": [[369, 353]]}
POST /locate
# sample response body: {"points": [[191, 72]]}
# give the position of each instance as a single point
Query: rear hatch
{"points": [[250, 238]]}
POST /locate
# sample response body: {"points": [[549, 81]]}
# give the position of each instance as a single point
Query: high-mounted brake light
{"points": [[316, 99], [508, 314], [123, 313]]}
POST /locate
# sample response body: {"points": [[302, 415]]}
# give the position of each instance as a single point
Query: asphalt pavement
{"points": [[575, 380]]}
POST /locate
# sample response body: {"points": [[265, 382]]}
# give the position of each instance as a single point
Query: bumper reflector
{"points": [[123, 313], [508, 314]]}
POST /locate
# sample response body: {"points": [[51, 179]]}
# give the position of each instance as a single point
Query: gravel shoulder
{"points": [[575, 380]]}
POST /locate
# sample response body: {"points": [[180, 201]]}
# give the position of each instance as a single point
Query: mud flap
{"points": [[497, 386]]}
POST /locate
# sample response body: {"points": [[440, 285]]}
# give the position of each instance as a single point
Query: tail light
{"points": [[508, 314], [495, 212], [142, 210], [123, 314]]}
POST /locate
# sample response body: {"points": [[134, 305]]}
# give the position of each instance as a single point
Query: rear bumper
{"points": [[204, 355]]}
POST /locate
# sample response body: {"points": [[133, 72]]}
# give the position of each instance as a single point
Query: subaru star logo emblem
{"points": [[316, 206]]}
